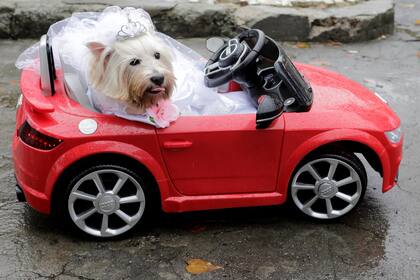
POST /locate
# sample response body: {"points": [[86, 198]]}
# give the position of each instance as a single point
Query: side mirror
{"points": [[213, 44], [269, 109]]}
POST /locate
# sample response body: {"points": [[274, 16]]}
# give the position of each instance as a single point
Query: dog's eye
{"points": [[135, 62], [157, 55]]}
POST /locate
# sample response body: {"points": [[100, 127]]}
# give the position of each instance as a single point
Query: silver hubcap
{"points": [[106, 203], [326, 188]]}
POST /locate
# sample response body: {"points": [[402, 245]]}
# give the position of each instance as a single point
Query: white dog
{"points": [[136, 70]]}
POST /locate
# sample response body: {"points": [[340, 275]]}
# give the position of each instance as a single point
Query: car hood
{"points": [[336, 96]]}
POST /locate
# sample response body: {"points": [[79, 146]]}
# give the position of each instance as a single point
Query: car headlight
{"points": [[19, 101], [394, 136], [381, 97]]}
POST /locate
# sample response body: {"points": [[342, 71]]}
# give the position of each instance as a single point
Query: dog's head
{"points": [[137, 70]]}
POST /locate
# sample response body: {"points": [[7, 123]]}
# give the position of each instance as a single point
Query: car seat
{"points": [[75, 84]]}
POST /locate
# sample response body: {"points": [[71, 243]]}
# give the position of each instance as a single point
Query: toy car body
{"points": [[200, 162]]}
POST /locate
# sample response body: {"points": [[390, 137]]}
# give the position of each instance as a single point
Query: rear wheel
{"points": [[328, 186], [106, 201]]}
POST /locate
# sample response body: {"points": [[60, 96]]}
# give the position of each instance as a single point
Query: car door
{"points": [[222, 154]]}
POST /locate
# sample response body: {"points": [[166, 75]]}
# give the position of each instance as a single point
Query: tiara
{"points": [[130, 30]]}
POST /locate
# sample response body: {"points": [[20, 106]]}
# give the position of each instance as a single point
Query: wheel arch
{"points": [[351, 140], [112, 158], [352, 147], [93, 153]]}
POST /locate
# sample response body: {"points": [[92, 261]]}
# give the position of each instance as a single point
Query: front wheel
{"points": [[328, 186], [106, 201]]}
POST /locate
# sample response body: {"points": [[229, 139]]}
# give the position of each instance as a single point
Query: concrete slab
{"points": [[361, 21]]}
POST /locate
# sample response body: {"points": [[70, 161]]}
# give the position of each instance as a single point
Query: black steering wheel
{"points": [[233, 58]]}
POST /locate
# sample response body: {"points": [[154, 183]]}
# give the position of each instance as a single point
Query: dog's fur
{"points": [[112, 74]]}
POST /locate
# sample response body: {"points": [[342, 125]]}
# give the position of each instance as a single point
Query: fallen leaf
{"points": [[198, 266], [320, 62], [302, 45], [243, 3], [418, 22], [334, 44]]}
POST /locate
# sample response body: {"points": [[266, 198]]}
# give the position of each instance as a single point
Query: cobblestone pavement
{"points": [[380, 240]]}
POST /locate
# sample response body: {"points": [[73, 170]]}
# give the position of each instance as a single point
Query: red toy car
{"points": [[103, 174]]}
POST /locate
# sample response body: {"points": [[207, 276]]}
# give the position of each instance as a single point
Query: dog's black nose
{"points": [[157, 80]]}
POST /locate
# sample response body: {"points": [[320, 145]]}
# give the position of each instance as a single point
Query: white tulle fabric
{"points": [[191, 96]]}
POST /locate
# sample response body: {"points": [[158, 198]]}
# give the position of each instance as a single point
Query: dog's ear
{"points": [[96, 48], [100, 51]]}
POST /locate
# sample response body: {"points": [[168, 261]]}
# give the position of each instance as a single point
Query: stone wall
{"points": [[362, 21]]}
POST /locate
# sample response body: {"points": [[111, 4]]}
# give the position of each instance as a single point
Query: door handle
{"points": [[177, 144]]}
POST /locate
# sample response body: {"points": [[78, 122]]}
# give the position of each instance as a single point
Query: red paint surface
{"points": [[205, 162]]}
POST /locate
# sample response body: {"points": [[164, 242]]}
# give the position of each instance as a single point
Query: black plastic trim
{"points": [[19, 194]]}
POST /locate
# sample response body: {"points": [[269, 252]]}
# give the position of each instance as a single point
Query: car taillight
{"points": [[36, 139]]}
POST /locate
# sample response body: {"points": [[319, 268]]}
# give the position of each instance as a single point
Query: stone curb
{"points": [[359, 22]]}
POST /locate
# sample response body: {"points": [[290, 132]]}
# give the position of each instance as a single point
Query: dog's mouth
{"points": [[155, 90]]}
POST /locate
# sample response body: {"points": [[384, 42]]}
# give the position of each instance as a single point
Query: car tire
{"points": [[328, 186], [105, 201]]}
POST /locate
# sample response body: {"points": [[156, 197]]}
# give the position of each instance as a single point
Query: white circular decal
{"points": [[88, 126]]}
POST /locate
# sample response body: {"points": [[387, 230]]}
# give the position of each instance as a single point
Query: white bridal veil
{"points": [[69, 37]]}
